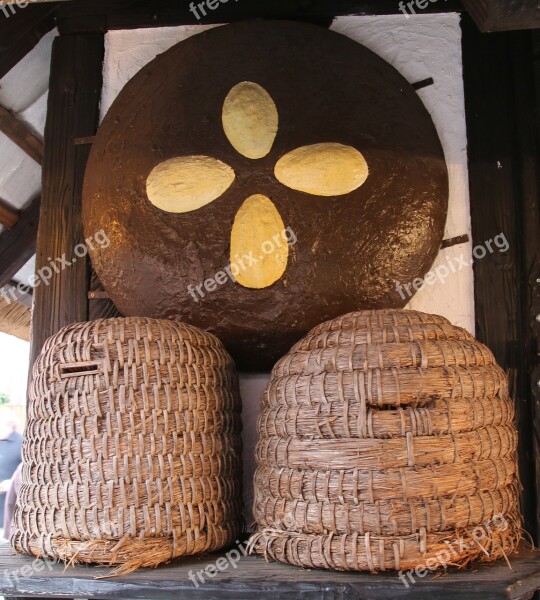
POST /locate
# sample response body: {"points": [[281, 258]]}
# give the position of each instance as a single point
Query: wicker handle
{"points": [[79, 369]]}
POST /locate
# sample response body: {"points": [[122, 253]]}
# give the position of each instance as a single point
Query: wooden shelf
{"points": [[255, 578]]}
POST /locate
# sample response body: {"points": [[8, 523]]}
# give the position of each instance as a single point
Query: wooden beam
{"points": [[73, 111], [504, 15], [19, 133], [531, 220], [21, 31], [8, 216], [504, 172], [104, 15], [18, 245], [15, 292]]}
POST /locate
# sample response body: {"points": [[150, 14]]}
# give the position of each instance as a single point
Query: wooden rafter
{"points": [[18, 245], [103, 15], [504, 15], [21, 31], [19, 133], [8, 216], [14, 292]]}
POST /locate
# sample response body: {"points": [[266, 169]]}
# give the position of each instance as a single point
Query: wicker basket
{"points": [[132, 448], [386, 442]]}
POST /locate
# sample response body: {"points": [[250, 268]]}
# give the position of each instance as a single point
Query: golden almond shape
{"points": [[187, 183], [259, 248], [250, 119], [323, 169]]}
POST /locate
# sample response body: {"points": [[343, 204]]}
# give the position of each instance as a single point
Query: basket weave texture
{"points": [[386, 440], [132, 448]]}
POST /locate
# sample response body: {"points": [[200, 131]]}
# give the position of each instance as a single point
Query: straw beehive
{"points": [[132, 448], [386, 440]]}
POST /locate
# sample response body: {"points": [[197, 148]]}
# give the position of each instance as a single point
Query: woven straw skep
{"points": [[385, 437], [132, 448]]}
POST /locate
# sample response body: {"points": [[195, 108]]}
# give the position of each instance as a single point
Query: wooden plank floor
{"points": [[254, 578]]}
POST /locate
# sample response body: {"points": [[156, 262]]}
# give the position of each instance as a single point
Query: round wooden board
{"points": [[350, 250]]}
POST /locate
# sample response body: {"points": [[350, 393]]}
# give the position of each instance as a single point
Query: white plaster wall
{"points": [[419, 47]]}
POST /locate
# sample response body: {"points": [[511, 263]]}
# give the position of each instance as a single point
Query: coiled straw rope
{"points": [[132, 449], [386, 438]]}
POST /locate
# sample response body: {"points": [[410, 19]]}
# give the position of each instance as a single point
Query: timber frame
{"points": [[502, 93]]}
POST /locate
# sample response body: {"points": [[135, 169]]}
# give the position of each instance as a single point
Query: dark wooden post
{"points": [[73, 112], [504, 174]]}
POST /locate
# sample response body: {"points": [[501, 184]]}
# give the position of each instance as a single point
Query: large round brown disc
{"points": [[346, 250]]}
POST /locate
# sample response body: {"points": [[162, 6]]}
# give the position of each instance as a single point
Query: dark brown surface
{"points": [[254, 578], [531, 292], [21, 31], [73, 110], [504, 15], [102, 15], [19, 133], [8, 216], [17, 245], [504, 169], [455, 241], [99, 305], [351, 249]]}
